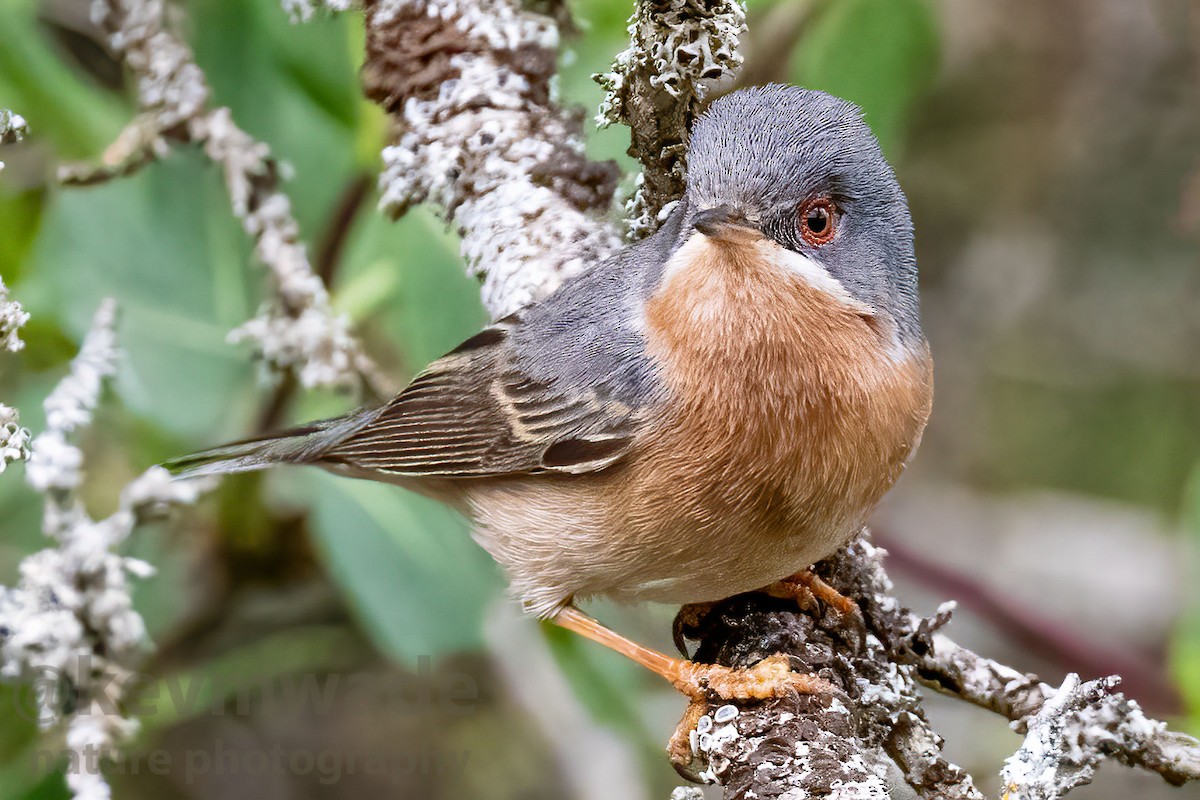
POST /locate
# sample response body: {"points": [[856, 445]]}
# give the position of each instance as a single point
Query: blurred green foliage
{"points": [[880, 54]]}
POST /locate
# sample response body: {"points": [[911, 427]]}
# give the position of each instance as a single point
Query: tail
{"points": [[303, 445]]}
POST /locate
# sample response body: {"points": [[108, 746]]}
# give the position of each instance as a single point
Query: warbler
{"points": [[707, 412]]}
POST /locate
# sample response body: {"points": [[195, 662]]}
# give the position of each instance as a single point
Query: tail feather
{"points": [[303, 445]]}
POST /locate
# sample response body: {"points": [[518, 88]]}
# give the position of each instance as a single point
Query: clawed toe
{"points": [[709, 684], [812, 593]]}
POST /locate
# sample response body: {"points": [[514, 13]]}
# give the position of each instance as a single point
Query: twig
{"points": [[12, 317], [297, 328], [1118, 726], [1026, 626], [917, 751], [69, 628]]}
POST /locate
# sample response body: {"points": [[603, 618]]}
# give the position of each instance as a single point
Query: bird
{"points": [[709, 411]]}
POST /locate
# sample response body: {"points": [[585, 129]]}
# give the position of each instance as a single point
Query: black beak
{"points": [[712, 221]]}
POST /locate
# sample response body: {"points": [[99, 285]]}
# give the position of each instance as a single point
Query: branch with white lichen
{"points": [[679, 51], [1086, 722], [480, 136], [297, 328], [68, 628], [840, 746]]}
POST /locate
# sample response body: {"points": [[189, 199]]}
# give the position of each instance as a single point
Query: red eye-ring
{"points": [[817, 218]]}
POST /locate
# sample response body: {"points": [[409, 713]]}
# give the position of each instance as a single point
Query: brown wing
{"points": [[475, 413]]}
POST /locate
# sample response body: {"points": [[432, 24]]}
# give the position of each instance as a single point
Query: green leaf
{"points": [[20, 216], [36, 773], [880, 54], [293, 87], [240, 673], [61, 106], [406, 564]]}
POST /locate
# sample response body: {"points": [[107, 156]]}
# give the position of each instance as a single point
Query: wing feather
{"points": [[476, 413]]}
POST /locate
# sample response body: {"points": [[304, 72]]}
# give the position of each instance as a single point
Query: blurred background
{"points": [[324, 638]]}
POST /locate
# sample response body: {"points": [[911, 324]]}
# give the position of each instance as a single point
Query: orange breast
{"points": [[792, 410]]}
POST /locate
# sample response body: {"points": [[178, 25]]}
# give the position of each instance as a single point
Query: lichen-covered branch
{"points": [[949, 668], [819, 746], [785, 749], [12, 317], [917, 751], [69, 628], [1115, 726], [481, 136], [297, 327], [678, 51], [14, 440], [1080, 725]]}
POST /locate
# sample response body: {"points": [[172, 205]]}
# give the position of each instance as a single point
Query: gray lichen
{"points": [[810, 746], [679, 51], [69, 626], [839, 746], [14, 440], [470, 84]]}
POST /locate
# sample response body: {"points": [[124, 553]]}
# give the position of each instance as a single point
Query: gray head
{"points": [[804, 169]]}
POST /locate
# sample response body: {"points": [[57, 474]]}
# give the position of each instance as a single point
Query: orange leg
{"points": [[771, 677]]}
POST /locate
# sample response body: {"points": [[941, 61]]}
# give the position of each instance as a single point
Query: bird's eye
{"points": [[818, 220]]}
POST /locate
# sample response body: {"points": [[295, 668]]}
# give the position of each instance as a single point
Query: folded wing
{"points": [[475, 412]]}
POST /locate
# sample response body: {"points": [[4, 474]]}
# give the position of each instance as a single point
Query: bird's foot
{"points": [[704, 685], [809, 590], [811, 593], [707, 685]]}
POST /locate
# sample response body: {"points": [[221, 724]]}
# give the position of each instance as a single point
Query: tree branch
{"points": [[481, 137], [679, 51], [69, 627], [879, 711], [297, 328]]}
